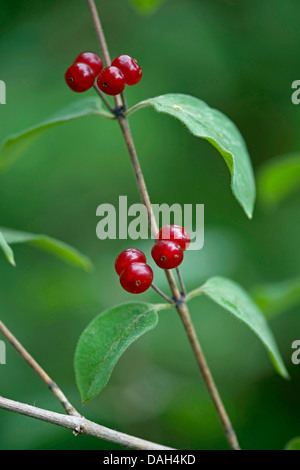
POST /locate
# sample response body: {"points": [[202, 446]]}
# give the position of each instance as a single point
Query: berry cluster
{"points": [[88, 66], [135, 275]]}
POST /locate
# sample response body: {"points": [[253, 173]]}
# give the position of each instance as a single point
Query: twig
{"points": [[124, 124], [79, 425], [180, 305], [183, 289], [207, 376], [99, 31], [162, 294], [38, 370], [75, 421]]}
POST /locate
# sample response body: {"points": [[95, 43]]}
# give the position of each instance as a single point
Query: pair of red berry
{"points": [[88, 66], [135, 275], [172, 241]]}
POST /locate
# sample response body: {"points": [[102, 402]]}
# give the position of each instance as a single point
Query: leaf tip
{"points": [[88, 266], [286, 375]]}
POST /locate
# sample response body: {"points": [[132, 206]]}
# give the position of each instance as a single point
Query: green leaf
{"points": [[233, 298], [8, 253], [293, 444], [104, 341], [278, 179], [274, 299], [43, 242], [14, 146], [217, 129], [146, 6]]}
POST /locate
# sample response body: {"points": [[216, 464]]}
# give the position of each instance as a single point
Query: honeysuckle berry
{"points": [[92, 60], [130, 68], [175, 233], [80, 77], [167, 254], [126, 257], [136, 278], [111, 81]]}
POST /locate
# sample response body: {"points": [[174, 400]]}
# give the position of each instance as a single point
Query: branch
{"points": [[38, 370], [181, 306], [99, 31], [79, 425], [74, 421]]}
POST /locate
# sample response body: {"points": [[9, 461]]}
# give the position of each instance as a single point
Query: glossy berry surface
{"points": [[136, 278], [130, 68], [91, 59], [126, 257], [111, 81], [80, 77], [167, 254], [175, 233]]}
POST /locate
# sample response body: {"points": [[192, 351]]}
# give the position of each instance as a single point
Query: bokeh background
{"points": [[239, 56]]}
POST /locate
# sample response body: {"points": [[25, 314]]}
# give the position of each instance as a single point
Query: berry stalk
{"points": [[180, 304]]}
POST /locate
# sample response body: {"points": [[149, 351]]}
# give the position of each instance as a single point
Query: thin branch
{"points": [[103, 44], [162, 294], [207, 376], [181, 282], [180, 304], [99, 31], [79, 425], [38, 370], [124, 124]]}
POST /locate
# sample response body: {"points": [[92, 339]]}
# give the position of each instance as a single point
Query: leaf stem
{"points": [[180, 303], [194, 293]]}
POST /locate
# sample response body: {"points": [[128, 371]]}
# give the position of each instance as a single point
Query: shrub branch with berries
{"points": [[107, 337]]}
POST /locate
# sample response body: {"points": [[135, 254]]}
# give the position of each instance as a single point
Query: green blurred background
{"points": [[239, 56]]}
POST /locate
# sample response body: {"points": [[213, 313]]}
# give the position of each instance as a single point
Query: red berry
{"points": [[91, 59], [131, 69], [80, 77], [131, 255], [136, 278], [177, 234], [111, 81], [167, 254]]}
